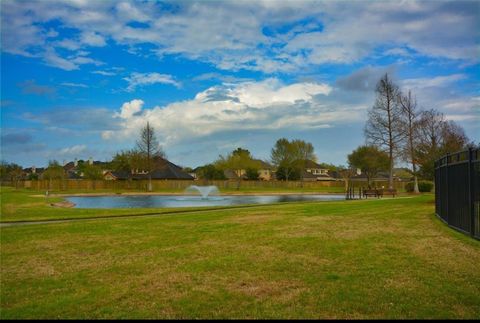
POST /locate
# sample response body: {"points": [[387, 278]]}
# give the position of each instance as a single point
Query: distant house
{"points": [[315, 172], [163, 169], [265, 172], [33, 172]]}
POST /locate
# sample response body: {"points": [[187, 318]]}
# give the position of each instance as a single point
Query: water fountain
{"points": [[204, 191]]}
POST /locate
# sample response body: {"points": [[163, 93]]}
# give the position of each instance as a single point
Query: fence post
{"points": [[470, 191]]}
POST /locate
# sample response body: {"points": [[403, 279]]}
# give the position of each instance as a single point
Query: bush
{"points": [[423, 186]]}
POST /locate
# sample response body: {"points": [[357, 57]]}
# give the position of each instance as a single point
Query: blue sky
{"points": [[80, 78]]}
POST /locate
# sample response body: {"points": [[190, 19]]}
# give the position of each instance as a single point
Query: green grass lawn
{"points": [[388, 258]]}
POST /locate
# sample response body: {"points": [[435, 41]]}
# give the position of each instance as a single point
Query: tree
{"points": [[210, 172], [282, 156], [128, 160], [303, 151], [437, 137], [11, 172], [290, 158], [410, 123], [148, 146], [383, 127], [238, 161], [252, 173], [54, 171], [285, 174], [370, 160]]}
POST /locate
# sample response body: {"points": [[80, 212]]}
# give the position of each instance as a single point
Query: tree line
{"points": [[398, 130]]}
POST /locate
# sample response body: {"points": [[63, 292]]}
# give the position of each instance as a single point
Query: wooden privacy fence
{"points": [[162, 185], [457, 191]]}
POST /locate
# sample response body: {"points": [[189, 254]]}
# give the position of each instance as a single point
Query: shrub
{"points": [[423, 186]]}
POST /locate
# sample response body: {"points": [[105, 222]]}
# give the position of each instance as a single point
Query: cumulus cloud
{"points": [[129, 109], [141, 79], [268, 104]]}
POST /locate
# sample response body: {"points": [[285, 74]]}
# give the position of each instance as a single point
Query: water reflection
{"points": [[156, 201]]}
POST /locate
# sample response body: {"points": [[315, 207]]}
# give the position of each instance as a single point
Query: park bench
{"points": [[370, 192], [389, 191]]}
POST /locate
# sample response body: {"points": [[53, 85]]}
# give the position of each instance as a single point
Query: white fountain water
{"points": [[204, 191]]}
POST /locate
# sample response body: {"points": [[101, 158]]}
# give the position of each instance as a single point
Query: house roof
{"points": [[264, 164], [164, 169], [169, 171], [311, 164]]}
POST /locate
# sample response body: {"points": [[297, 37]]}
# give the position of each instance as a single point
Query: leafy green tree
{"points": [[92, 172], [54, 171], [283, 156], [129, 161], [11, 172], [370, 160], [291, 157], [252, 174], [238, 161], [303, 151], [210, 172], [285, 174]]}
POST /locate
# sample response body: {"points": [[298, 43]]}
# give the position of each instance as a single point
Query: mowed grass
{"points": [[388, 258]]}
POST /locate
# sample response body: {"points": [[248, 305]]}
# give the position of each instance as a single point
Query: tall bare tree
{"points": [[383, 127], [149, 147], [410, 129], [437, 137]]}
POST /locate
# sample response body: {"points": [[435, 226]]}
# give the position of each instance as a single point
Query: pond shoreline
{"points": [[181, 193]]}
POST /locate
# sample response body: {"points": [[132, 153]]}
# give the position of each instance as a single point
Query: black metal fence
{"points": [[457, 191]]}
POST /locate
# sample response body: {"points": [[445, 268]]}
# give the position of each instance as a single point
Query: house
{"points": [[163, 169], [33, 172], [315, 172], [265, 172]]}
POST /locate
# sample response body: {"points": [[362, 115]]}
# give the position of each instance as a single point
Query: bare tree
{"points": [[383, 127], [437, 137], [149, 147], [410, 129]]}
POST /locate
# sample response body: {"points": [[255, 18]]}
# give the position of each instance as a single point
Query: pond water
{"points": [[155, 201]]}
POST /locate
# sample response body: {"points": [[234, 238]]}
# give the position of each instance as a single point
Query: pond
{"points": [[157, 201]]}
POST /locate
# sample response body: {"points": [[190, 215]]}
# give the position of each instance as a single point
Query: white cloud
{"points": [[104, 73], [421, 83], [233, 34], [93, 39], [131, 108], [268, 104], [71, 84], [140, 79], [74, 150]]}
